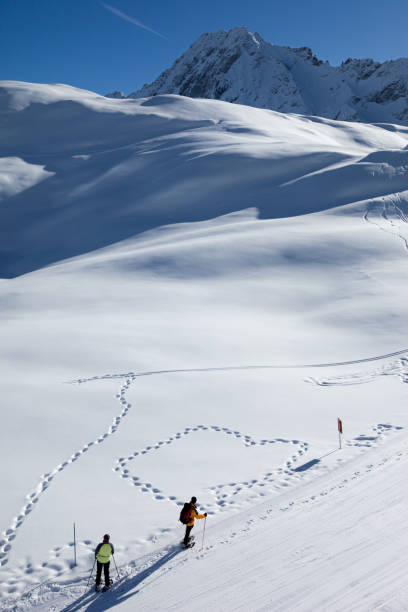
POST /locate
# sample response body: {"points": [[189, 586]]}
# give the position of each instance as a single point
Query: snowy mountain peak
{"points": [[240, 66], [235, 36]]}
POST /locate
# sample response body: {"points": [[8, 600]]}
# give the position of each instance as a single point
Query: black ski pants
{"points": [[105, 567], [188, 531]]}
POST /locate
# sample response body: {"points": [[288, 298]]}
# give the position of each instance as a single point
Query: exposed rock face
{"points": [[116, 94], [238, 66]]}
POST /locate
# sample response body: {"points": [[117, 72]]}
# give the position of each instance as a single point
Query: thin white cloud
{"points": [[131, 19]]}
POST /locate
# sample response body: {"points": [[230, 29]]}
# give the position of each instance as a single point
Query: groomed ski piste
{"points": [[193, 292]]}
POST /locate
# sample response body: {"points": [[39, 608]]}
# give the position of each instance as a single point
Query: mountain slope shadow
{"points": [[122, 590], [114, 175]]}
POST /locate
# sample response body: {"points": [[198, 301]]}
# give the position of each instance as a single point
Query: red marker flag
{"points": [[340, 428]]}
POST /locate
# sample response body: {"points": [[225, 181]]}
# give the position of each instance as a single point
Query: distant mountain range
{"points": [[238, 66]]}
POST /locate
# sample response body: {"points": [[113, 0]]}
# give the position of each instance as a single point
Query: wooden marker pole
{"points": [[75, 562]]}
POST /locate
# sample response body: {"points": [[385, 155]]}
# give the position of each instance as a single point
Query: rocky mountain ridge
{"points": [[241, 67]]}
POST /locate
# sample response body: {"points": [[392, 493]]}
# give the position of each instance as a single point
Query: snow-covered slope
{"points": [[241, 67], [166, 341], [336, 544], [208, 357], [90, 171]]}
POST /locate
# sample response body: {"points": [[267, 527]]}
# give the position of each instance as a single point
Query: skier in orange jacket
{"points": [[192, 514]]}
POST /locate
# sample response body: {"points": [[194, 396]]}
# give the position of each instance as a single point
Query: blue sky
{"points": [[87, 44]]}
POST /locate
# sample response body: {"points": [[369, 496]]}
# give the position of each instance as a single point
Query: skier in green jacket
{"points": [[103, 552]]}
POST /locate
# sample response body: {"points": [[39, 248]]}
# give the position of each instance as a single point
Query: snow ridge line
{"points": [[9, 534], [245, 367]]}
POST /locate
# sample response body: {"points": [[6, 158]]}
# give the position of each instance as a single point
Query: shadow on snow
{"points": [[313, 462], [121, 590]]}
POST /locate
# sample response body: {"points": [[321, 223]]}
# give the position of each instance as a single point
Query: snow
{"points": [[152, 158], [189, 314], [241, 67], [296, 555], [16, 175]]}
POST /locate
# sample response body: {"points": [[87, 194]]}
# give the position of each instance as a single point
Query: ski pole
{"points": [[87, 584], [205, 521], [116, 566]]}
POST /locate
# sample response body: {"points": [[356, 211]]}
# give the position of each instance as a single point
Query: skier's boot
{"points": [[97, 588], [190, 542]]}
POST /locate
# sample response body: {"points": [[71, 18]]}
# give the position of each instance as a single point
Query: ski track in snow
{"points": [[169, 558], [224, 492], [396, 368], [390, 218]]}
